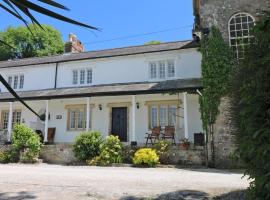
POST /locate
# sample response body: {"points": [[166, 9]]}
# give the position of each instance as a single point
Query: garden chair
{"points": [[169, 133], [154, 134]]}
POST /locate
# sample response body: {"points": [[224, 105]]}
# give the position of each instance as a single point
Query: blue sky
{"points": [[121, 18]]}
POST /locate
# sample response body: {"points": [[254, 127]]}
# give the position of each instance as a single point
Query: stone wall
{"points": [[62, 154], [58, 154], [224, 139], [218, 12]]}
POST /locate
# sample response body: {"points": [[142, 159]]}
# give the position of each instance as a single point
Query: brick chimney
{"points": [[73, 45]]}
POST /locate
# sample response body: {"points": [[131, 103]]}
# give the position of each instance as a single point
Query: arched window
{"points": [[240, 25]]}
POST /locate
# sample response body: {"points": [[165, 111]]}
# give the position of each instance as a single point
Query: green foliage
{"points": [[87, 145], [26, 143], [146, 157], [217, 63], [153, 42], [111, 151], [162, 148], [4, 156], [128, 153], [41, 43], [251, 110]]}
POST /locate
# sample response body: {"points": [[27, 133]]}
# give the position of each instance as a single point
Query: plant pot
{"points": [[183, 146]]}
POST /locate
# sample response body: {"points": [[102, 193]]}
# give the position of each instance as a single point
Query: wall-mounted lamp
{"points": [[100, 107], [138, 105]]}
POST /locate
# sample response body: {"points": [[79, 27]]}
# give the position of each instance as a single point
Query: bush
{"points": [[146, 156], [4, 157], [87, 145], [251, 110], [128, 154], [111, 151], [163, 151], [26, 143]]}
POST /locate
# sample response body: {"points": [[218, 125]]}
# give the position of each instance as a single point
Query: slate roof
{"points": [[133, 50], [189, 85]]}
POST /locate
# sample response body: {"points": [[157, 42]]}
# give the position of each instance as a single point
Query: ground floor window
{"points": [[76, 117], [162, 115], [16, 118]]}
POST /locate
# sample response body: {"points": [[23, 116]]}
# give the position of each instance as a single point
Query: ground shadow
{"points": [[16, 195], [177, 195], [192, 195], [239, 195], [212, 170]]}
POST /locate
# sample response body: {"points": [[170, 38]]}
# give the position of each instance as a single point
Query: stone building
{"points": [[234, 18]]}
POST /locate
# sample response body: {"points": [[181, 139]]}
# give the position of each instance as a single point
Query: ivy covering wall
{"points": [[217, 63]]}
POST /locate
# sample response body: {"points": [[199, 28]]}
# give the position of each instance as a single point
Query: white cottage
{"points": [[123, 91]]}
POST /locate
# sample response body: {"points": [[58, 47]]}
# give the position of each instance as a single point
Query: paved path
{"points": [[50, 182]]}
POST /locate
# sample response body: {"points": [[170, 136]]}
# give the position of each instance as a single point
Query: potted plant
{"points": [[184, 144]]}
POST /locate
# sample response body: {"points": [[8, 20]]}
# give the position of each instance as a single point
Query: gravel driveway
{"points": [[49, 182]]}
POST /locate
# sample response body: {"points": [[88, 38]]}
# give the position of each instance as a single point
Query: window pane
{"points": [[15, 85], [172, 115], [80, 119], [5, 120], [171, 68], [163, 116], [75, 77], [10, 80], [89, 76], [239, 29], [72, 117], [162, 69], [21, 81], [153, 70], [153, 116], [82, 76]]}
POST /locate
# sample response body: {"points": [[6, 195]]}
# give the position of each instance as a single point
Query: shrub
{"points": [[128, 154], [163, 151], [87, 145], [111, 151], [251, 110], [26, 143], [146, 156], [4, 157]]}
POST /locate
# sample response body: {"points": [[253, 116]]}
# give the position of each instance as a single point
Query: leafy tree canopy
{"points": [[153, 42], [41, 42]]}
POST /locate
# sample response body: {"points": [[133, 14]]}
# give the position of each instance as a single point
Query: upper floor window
{"points": [[162, 69], [16, 81], [240, 26], [82, 76]]}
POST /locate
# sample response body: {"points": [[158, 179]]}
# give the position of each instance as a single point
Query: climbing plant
{"points": [[250, 95], [217, 63]]}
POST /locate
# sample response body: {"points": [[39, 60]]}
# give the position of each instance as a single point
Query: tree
{"points": [[251, 109], [16, 7], [153, 42], [41, 42], [217, 63]]}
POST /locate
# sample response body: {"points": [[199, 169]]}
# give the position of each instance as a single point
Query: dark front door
{"points": [[119, 123]]}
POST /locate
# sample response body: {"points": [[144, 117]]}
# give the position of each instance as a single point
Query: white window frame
{"points": [[14, 80], [156, 73], [75, 77], [21, 81], [248, 37], [82, 72]]}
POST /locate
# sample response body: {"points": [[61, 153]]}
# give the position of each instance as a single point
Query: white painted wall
{"points": [[100, 118], [36, 77], [121, 69]]}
